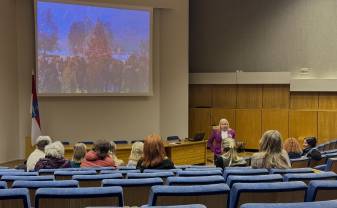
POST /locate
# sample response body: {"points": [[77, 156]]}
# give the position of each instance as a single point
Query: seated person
{"points": [[136, 153], [99, 156], [309, 143], [80, 149], [38, 153], [113, 148], [154, 155], [54, 157], [293, 148], [271, 154], [229, 157]]}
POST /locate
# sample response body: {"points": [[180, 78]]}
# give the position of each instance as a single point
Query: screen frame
{"points": [[106, 94]]}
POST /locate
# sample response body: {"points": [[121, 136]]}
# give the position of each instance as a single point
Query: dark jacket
{"points": [[51, 163], [294, 155], [165, 164]]}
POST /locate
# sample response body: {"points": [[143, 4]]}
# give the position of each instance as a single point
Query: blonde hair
{"points": [[292, 145], [113, 147], [230, 152], [222, 120], [80, 149], [271, 146], [55, 149], [136, 151]]}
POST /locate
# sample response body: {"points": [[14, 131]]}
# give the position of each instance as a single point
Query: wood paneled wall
{"points": [[253, 109]]}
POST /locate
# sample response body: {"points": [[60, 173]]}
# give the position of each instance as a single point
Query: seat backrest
{"points": [[194, 173], [15, 198], [136, 191], [300, 162], [242, 193], [320, 204], [203, 169], [187, 181], [313, 163], [34, 185], [307, 177], [94, 180], [123, 172], [291, 170], [331, 165], [18, 173], [244, 171], [3, 185], [321, 190], [78, 197], [10, 179], [150, 175], [212, 196], [232, 179], [161, 170], [67, 175]]}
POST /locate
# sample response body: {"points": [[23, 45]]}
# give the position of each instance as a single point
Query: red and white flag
{"points": [[36, 127]]}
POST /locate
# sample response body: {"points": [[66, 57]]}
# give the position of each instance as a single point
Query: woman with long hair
{"points": [[154, 156], [271, 154], [136, 153], [229, 157], [80, 149], [293, 148]]}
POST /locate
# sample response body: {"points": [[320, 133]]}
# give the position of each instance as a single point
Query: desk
{"points": [[184, 153]]}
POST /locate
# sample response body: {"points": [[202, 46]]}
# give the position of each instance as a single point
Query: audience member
{"points": [[293, 148], [271, 154], [80, 149], [113, 149], [136, 153], [308, 144], [99, 156], [229, 157], [38, 153], [154, 155], [54, 157]]}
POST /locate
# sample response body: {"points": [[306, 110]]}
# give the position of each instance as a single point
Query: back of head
{"points": [[292, 145], [42, 141], [102, 149], [79, 151], [55, 149], [271, 142], [311, 141], [113, 147], [136, 151], [154, 151], [230, 153]]}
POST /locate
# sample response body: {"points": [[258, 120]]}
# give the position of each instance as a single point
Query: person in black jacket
{"points": [[154, 155], [308, 144]]}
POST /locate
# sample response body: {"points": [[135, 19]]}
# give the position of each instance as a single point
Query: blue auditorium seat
{"points": [[3, 167], [136, 191], [203, 169], [291, 170], [18, 198], [9, 178], [321, 190], [194, 180], [67, 175], [3, 185], [161, 170], [232, 179], [185, 173], [319, 204], [242, 193], [18, 173], [150, 175], [307, 177], [94, 180], [126, 168], [302, 162], [244, 171], [123, 172], [78, 197], [212, 196]]}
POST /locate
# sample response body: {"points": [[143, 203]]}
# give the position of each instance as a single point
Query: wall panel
{"points": [[199, 120], [200, 95], [304, 100], [219, 113], [275, 119], [302, 123], [327, 100], [275, 96], [248, 127], [224, 96], [327, 126], [249, 96]]}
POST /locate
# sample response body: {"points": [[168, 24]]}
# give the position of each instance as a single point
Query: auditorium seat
{"points": [[3, 167], [163, 175], [136, 191], [11, 170], [126, 168], [314, 163], [212, 196], [67, 175], [18, 173], [123, 172], [161, 170], [244, 171], [3, 185], [183, 167], [185, 173], [307, 177], [332, 165], [242, 193], [78, 197], [318, 204], [322, 190], [34, 185], [302, 162], [51, 171], [15, 198], [10, 178], [320, 147], [183, 181], [330, 155], [203, 169], [291, 170], [232, 179], [95, 180]]}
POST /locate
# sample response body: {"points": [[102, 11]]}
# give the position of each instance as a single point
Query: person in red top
{"points": [[99, 156]]}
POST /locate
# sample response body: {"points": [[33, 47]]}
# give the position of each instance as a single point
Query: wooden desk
{"points": [[184, 153]]}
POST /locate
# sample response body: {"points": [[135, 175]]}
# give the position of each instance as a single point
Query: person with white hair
{"points": [[112, 152], [38, 153], [136, 153], [54, 157]]}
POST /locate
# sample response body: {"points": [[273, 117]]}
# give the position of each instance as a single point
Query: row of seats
{"points": [[328, 146]]}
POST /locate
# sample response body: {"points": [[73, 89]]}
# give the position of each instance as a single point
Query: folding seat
{"points": [[232, 179], [185, 173], [3, 167], [3, 185], [244, 171], [314, 163], [162, 175], [307, 177], [330, 155], [181, 181], [14, 198], [329, 151], [78, 197], [322, 190], [51, 171], [319, 204], [212, 196], [18, 173], [320, 147], [123, 172], [331, 165], [302, 162], [126, 168], [183, 167], [34, 185], [242, 193], [11, 169], [136, 191], [161, 170], [331, 145], [291, 170], [95, 180], [204, 169], [9, 178], [67, 175]]}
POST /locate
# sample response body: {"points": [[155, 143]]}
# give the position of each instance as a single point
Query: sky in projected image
{"points": [[90, 49]]}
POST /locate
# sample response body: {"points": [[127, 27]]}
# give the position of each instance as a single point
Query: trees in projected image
{"points": [[91, 61]]}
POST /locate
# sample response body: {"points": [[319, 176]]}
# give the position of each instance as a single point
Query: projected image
{"points": [[84, 49]]}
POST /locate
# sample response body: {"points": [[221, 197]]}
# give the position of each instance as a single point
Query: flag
{"points": [[36, 127]]}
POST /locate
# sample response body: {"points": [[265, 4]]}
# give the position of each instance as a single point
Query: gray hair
{"points": [[55, 149], [136, 151]]}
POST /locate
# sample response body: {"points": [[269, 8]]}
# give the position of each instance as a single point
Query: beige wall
{"points": [[79, 118], [264, 35], [8, 83]]}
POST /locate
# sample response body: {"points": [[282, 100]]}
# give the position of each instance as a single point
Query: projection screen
{"points": [[88, 49]]}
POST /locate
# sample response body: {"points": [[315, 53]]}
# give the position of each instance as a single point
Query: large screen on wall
{"points": [[88, 49]]}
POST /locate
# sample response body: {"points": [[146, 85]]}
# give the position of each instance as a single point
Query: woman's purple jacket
{"points": [[214, 141]]}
